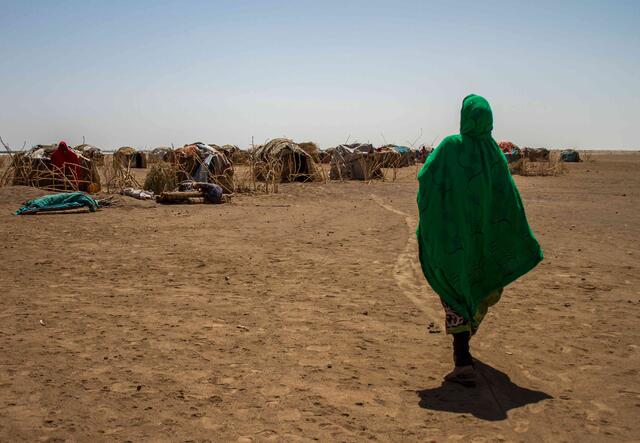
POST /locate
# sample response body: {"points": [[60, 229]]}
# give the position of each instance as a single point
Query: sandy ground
{"points": [[303, 316]]}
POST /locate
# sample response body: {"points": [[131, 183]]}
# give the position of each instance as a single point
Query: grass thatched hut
{"points": [[234, 154], [227, 150], [91, 152], [325, 155], [161, 154], [312, 149], [204, 163], [355, 162], [569, 156], [396, 156], [407, 155], [34, 168], [127, 157], [536, 154], [387, 157], [283, 160]]}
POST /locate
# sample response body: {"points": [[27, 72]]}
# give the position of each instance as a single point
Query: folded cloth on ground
{"points": [[140, 194], [211, 192], [59, 202]]}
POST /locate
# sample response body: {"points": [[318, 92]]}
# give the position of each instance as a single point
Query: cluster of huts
{"points": [[279, 160], [515, 155]]}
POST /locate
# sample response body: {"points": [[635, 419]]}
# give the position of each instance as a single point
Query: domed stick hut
{"points": [[284, 161], [204, 163], [35, 168], [127, 158]]}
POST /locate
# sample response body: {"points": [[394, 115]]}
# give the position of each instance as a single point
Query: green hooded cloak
{"points": [[473, 234]]}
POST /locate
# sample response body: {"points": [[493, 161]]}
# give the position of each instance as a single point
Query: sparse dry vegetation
{"points": [[117, 177], [162, 176], [525, 167]]}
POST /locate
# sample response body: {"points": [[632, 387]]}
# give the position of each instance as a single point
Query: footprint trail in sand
{"points": [[407, 272]]}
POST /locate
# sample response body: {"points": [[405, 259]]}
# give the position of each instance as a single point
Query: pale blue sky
{"points": [[150, 73]]}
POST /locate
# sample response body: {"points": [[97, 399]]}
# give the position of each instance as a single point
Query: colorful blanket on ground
{"points": [[59, 202]]}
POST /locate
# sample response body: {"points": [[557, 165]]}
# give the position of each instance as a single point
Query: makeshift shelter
{"points": [[91, 152], [569, 156], [355, 162], [161, 154], [227, 150], [387, 157], [325, 155], [233, 153], [35, 168], [283, 160], [241, 157], [511, 151], [127, 158], [536, 154], [407, 155], [312, 149], [204, 163]]}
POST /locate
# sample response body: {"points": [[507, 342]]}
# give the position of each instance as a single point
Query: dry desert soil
{"points": [[303, 316]]}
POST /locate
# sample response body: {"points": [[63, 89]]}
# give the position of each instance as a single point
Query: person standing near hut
{"points": [[66, 161], [473, 234]]}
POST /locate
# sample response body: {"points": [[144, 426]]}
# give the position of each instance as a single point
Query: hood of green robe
{"points": [[476, 117]]}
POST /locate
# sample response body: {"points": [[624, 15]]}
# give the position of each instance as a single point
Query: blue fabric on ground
{"points": [[59, 202], [211, 192]]}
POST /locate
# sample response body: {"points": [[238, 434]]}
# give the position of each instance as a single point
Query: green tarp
{"points": [[59, 202]]}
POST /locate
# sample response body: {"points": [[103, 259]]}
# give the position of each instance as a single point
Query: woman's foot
{"points": [[464, 375]]}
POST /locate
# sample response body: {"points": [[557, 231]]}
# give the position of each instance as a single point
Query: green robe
{"points": [[473, 234]]}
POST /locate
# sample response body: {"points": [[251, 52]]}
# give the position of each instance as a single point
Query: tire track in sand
{"points": [[406, 271]]}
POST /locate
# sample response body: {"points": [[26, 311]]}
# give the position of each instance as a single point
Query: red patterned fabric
{"points": [[506, 147]]}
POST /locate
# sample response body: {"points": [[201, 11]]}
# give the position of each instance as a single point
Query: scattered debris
{"points": [[140, 194]]}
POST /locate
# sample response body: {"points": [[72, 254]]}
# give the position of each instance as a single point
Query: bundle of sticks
{"points": [[191, 197], [188, 197]]}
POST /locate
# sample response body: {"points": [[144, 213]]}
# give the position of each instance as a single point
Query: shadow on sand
{"points": [[494, 395], [66, 212]]}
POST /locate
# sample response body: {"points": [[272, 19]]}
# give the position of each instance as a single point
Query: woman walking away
{"points": [[473, 234]]}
